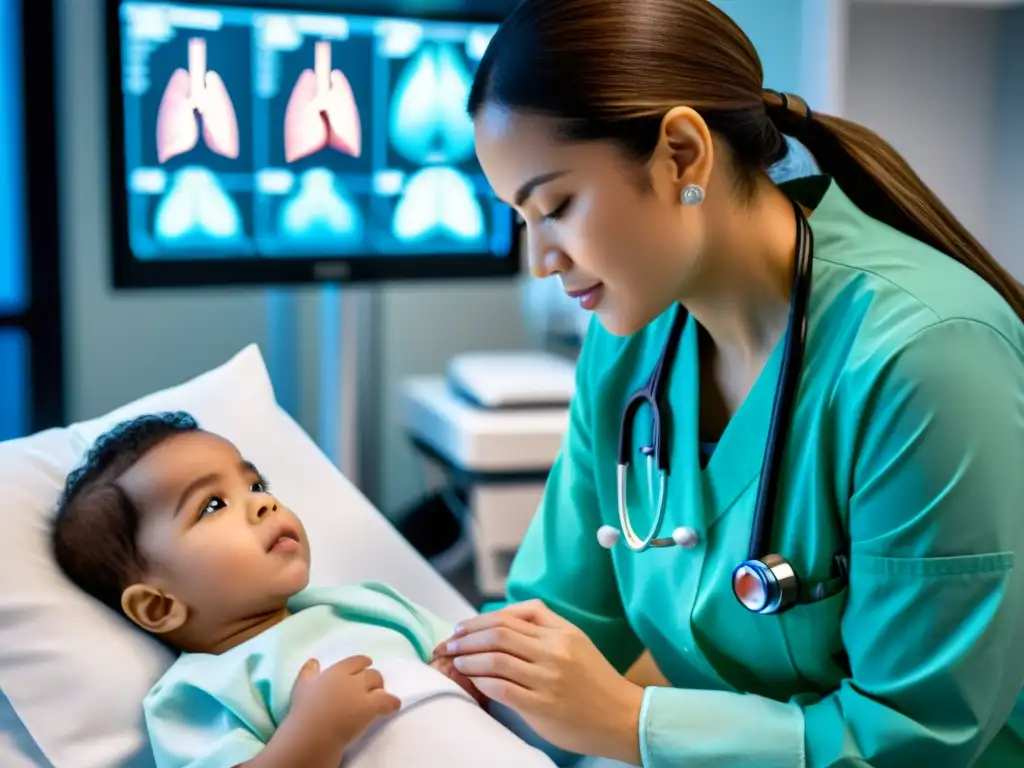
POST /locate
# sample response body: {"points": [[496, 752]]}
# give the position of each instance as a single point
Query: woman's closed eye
{"points": [[559, 211]]}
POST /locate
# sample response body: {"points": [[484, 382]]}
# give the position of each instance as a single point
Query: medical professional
{"points": [[815, 535]]}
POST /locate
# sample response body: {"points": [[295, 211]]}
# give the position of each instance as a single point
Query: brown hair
{"points": [[609, 70], [94, 530]]}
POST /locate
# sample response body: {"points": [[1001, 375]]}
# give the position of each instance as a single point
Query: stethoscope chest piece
{"points": [[766, 585]]}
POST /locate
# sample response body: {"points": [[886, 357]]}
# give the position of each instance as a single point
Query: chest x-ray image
{"points": [[269, 133], [432, 134]]}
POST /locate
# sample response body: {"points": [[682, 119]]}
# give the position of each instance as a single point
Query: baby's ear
{"points": [[153, 610]]}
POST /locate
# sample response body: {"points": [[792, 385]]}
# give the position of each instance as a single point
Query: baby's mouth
{"points": [[285, 540]]}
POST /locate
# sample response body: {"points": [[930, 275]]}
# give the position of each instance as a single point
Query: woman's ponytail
{"points": [[884, 186]]}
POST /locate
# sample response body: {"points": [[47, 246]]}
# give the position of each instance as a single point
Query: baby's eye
{"points": [[212, 506], [260, 486]]}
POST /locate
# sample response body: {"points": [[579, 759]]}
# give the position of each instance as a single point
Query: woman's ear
{"points": [[152, 609], [685, 147]]}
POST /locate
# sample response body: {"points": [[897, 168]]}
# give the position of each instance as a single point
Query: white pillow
{"points": [[75, 673]]}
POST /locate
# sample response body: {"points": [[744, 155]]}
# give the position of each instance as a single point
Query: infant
{"points": [[170, 526]]}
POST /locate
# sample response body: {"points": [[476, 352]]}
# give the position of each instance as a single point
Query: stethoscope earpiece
{"points": [[767, 585], [684, 536]]}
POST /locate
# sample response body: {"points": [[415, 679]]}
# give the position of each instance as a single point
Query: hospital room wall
{"points": [[938, 83], [1008, 158]]}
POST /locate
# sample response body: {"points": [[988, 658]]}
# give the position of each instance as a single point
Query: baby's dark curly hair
{"points": [[96, 524]]}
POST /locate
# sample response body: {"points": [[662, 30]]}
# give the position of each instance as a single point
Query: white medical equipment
{"points": [[512, 379], [500, 456]]}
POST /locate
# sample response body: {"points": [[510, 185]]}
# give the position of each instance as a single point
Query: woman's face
{"points": [[614, 232]]}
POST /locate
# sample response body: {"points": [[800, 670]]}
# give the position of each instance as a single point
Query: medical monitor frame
{"points": [[304, 266]]}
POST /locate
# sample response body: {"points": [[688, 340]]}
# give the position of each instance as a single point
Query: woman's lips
{"points": [[588, 298]]}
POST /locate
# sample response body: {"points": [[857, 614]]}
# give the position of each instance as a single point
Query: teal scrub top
{"points": [[905, 451]]}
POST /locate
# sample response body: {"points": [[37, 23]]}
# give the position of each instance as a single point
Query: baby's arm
{"points": [[218, 720], [299, 742], [191, 727]]}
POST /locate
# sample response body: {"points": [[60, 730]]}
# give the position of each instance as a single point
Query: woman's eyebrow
{"points": [[527, 189]]}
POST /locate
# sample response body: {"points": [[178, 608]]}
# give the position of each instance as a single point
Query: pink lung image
{"points": [[188, 93], [321, 111]]}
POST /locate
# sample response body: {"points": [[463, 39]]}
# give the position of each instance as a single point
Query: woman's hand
{"points": [[530, 659], [446, 666]]}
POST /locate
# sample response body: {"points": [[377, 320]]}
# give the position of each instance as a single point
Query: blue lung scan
{"points": [[429, 123], [439, 201], [197, 210], [320, 213], [416, 189]]}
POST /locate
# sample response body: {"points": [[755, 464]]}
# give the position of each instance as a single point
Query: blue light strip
{"points": [[13, 288]]}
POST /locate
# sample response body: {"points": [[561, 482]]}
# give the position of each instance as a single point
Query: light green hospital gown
{"points": [[219, 711], [906, 450]]}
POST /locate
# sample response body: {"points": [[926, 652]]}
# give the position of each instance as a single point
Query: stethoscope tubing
{"points": [[781, 585], [785, 394]]}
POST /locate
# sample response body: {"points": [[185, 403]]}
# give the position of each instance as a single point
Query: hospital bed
{"points": [[73, 674]]}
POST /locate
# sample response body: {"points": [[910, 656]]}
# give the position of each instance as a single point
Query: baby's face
{"points": [[212, 536]]}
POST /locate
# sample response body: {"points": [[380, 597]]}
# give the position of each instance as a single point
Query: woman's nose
{"points": [[545, 262]]}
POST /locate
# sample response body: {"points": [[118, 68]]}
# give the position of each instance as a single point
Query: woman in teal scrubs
{"points": [[905, 449]]}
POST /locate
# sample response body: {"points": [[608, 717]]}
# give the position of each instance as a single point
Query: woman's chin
{"points": [[619, 323]]}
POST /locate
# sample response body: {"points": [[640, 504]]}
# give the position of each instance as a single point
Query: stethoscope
{"points": [[764, 582]]}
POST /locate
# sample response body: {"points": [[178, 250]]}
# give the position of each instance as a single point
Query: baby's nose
{"points": [[265, 509]]}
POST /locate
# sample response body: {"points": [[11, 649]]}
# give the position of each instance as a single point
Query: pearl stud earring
{"points": [[692, 194]]}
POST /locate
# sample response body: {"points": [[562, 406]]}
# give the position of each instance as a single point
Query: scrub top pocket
{"points": [[814, 639], [883, 597], [814, 632]]}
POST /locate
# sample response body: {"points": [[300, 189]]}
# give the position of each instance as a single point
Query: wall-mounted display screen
{"points": [[263, 144]]}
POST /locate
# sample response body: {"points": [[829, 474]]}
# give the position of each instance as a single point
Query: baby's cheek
{"points": [[239, 568]]}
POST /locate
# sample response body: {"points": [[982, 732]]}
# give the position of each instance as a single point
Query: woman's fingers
{"points": [[501, 666], [507, 633], [532, 612], [535, 612], [504, 692]]}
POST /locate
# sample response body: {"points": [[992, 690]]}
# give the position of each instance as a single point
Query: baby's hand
{"points": [[344, 699], [445, 665]]}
